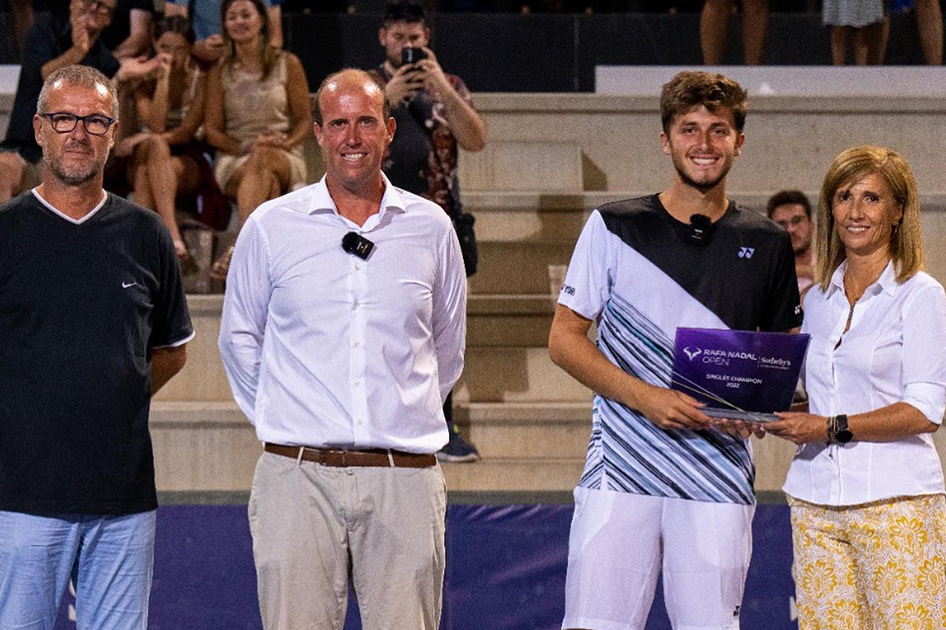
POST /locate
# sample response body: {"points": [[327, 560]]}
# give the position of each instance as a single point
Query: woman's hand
{"points": [[800, 428]]}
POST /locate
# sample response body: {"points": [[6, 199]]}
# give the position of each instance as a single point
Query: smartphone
{"points": [[412, 55]]}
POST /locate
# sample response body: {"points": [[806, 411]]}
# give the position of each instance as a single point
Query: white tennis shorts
{"points": [[620, 542]]}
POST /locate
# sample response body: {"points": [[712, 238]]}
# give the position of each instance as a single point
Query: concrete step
{"points": [[516, 375], [548, 165], [495, 322], [790, 140], [523, 430], [212, 447], [520, 268], [513, 474], [525, 447]]}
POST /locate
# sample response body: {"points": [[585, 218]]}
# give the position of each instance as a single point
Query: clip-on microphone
{"points": [[700, 231], [357, 245]]}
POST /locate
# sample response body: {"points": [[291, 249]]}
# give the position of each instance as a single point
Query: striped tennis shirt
{"points": [[634, 273]]}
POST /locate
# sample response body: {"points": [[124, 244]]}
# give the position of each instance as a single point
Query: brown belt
{"points": [[340, 457]]}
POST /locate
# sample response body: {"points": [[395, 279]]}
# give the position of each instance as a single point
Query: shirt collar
{"points": [[91, 213], [887, 282], [322, 202]]}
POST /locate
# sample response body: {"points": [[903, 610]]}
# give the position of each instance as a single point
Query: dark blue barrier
{"points": [[505, 570]]}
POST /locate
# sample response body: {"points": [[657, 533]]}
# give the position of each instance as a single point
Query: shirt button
{"points": [[358, 266], [360, 423], [355, 304], [357, 344], [357, 383]]}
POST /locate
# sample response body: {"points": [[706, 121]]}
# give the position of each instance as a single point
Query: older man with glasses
{"points": [[51, 45], [93, 321]]}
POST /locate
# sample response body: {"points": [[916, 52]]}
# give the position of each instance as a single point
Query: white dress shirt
{"points": [[895, 351], [325, 349]]}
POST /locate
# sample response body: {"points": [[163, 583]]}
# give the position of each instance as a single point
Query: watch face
{"points": [[844, 436]]}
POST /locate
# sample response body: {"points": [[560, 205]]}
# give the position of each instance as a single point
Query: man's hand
{"points": [[670, 409], [432, 74], [210, 50], [406, 82], [82, 40], [800, 428]]}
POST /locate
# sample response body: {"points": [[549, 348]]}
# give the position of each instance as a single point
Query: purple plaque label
{"points": [[738, 371]]}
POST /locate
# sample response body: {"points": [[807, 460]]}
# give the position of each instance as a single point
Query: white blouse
{"points": [[894, 351]]}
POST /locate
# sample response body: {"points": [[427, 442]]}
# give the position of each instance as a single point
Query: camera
{"points": [[412, 55]]}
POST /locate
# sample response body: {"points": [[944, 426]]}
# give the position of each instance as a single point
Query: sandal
{"points": [[220, 268], [184, 259]]}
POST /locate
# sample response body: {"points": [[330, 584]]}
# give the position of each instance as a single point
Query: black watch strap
{"points": [[843, 433]]}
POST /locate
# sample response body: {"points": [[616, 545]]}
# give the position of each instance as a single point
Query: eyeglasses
{"points": [[795, 221], [64, 122], [98, 5]]}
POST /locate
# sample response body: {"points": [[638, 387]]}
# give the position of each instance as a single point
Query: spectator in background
{"points": [[169, 165], [257, 114], [21, 18], [863, 22], [929, 23], [208, 27], [54, 44], [791, 210], [435, 115], [129, 34], [714, 26]]}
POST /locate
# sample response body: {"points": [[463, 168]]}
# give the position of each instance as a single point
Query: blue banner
{"points": [[505, 570]]}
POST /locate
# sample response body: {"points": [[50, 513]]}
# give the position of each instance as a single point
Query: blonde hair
{"points": [[906, 240]]}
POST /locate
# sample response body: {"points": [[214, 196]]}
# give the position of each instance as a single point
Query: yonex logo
{"points": [[692, 354], [746, 252]]}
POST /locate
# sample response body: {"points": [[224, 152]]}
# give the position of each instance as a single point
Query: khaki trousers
{"points": [[316, 527]]}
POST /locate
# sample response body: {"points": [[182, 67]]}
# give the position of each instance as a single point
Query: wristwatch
{"points": [[842, 432]]}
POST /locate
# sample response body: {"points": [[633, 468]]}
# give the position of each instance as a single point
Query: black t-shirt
{"points": [[81, 307], [46, 40], [120, 28]]}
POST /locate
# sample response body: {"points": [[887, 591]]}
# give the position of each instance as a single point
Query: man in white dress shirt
{"points": [[343, 328]]}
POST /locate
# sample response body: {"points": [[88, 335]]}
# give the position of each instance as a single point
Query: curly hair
{"points": [[690, 89]]}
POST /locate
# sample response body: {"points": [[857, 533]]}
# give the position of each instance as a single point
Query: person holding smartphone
{"points": [[435, 114]]}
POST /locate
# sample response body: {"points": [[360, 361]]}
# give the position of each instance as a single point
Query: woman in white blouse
{"points": [[866, 485]]}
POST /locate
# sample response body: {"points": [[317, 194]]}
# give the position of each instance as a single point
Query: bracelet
{"points": [[832, 429]]}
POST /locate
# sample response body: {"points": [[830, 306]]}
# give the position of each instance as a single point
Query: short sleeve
{"points": [[461, 89], [172, 323], [924, 352], [588, 281], [784, 312]]}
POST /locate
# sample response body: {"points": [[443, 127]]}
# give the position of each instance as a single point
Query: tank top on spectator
{"points": [[252, 106]]}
